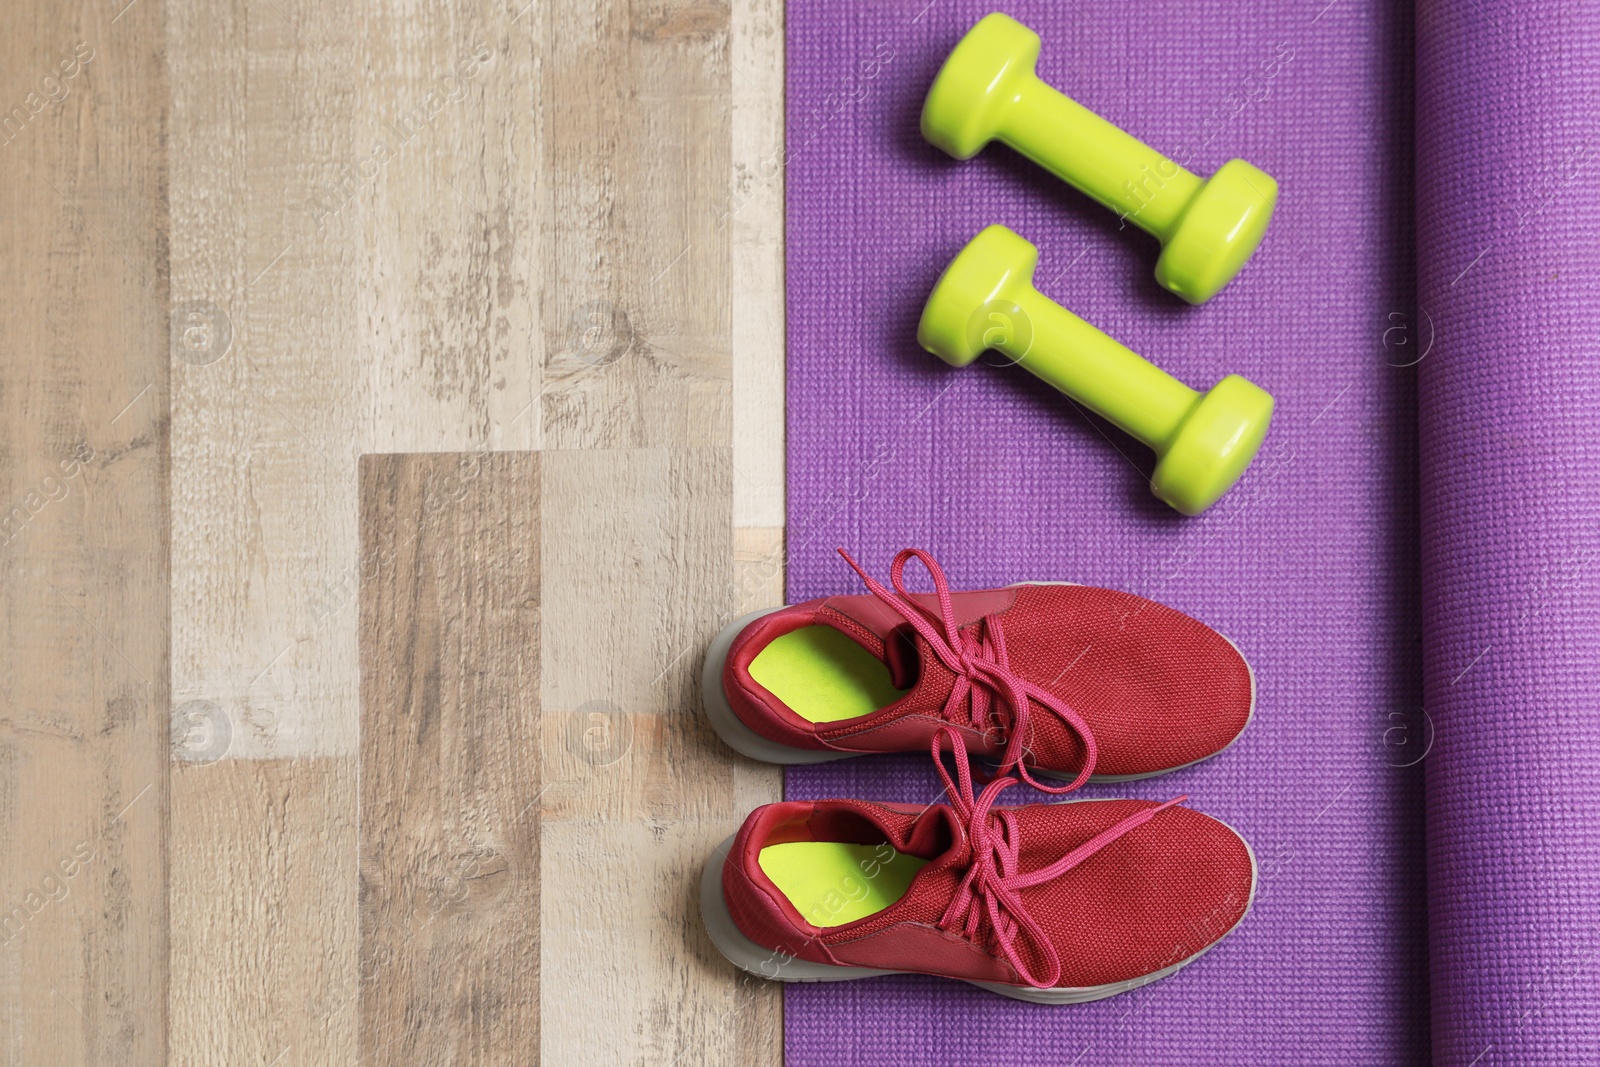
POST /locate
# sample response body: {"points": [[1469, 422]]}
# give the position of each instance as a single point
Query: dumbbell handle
{"points": [[1111, 379], [1085, 150]]}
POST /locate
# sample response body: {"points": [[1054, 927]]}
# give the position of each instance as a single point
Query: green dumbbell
{"points": [[986, 299], [987, 91]]}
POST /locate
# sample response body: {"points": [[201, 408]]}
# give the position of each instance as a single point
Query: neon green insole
{"points": [[823, 675], [832, 883]]}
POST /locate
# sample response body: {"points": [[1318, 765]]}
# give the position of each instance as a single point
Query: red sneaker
{"points": [[1053, 903], [1066, 680]]}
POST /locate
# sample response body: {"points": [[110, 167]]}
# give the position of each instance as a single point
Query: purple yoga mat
{"points": [[1310, 564], [1507, 217]]}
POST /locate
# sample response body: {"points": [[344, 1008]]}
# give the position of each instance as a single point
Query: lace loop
{"points": [[989, 890], [985, 683]]}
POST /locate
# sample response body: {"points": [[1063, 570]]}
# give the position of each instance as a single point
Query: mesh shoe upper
{"points": [[1150, 899], [1155, 688]]}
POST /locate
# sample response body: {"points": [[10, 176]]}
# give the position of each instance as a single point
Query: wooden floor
{"points": [[382, 439]]}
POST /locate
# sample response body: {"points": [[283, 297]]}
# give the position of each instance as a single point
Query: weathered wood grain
{"points": [[374, 299], [355, 196], [202, 244], [758, 567], [83, 536], [270, 895], [269, 398], [449, 282], [267, 410], [449, 871], [636, 581], [753, 217], [635, 264]]}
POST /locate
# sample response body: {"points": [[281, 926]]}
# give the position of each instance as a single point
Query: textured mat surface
{"points": [[1310, 564], [1508, 101]]}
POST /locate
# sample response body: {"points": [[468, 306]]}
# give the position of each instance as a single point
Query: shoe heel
{"points": [[744, 953], [727, 723]]}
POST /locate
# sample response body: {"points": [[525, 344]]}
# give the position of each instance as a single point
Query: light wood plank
{"points": [[267, 416], [355, 199], [270, 895], [266, 410], [637, 579], [635, 264], [753, 217], [387, 306], [83, 564], [639, 315], [424, 311], [448, 229], [758, 567], [450, 847]]}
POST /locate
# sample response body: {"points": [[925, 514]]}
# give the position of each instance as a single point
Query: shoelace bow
{"points": [[983, 671], [990, 889]]}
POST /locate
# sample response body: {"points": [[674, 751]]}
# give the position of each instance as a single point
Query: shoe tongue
{"points": [[925, 675], [903, 656], [938, 836]]}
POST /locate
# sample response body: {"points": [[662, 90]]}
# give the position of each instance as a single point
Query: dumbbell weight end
{"points": [[985, 299], [988, 90]]}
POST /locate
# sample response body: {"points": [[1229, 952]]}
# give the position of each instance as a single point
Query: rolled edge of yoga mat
{"points": [[1508, 316]]}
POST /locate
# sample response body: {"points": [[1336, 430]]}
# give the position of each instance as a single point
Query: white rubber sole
{"points": [[781, 967], [746, 741]]}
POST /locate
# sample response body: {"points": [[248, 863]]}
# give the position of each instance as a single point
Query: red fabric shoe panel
{"points": [[1149, 900]]}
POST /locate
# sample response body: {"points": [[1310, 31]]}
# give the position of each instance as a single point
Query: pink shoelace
{"points": [[983, 671], [990, 888]]}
